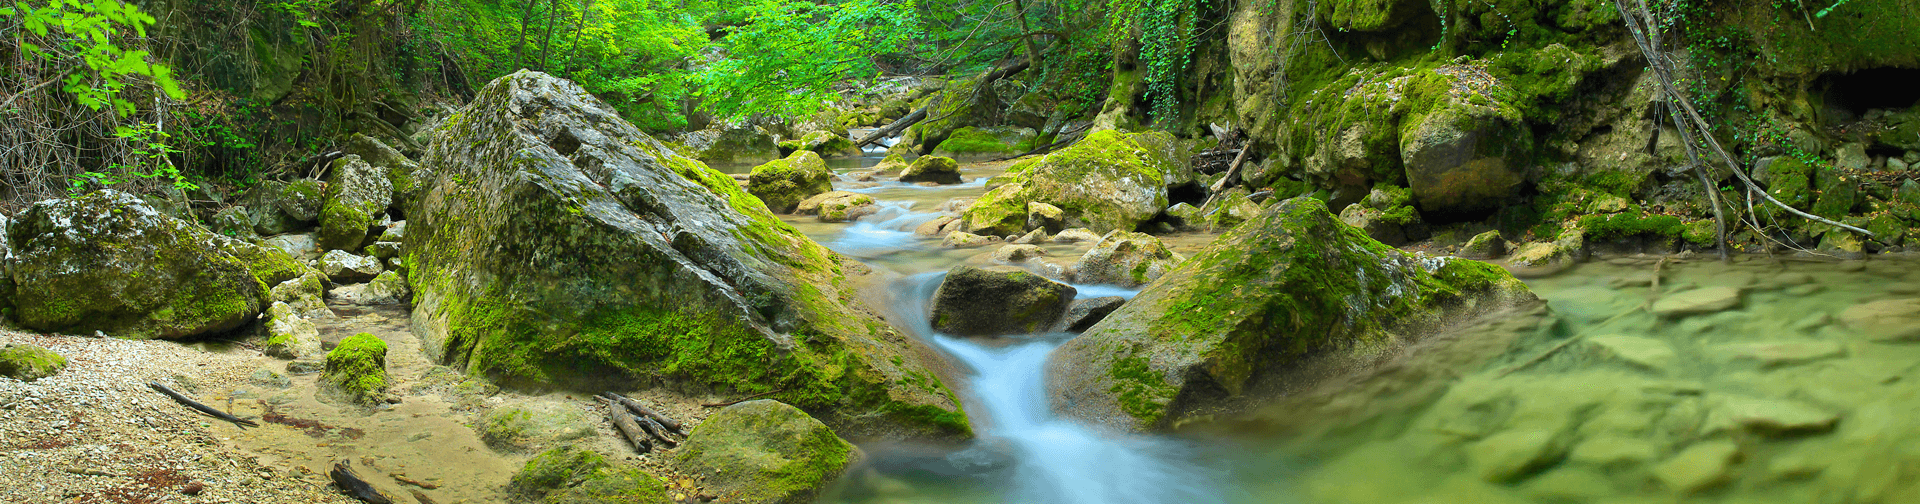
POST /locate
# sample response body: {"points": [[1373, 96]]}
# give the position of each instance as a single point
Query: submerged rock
{"points": [[609, 259], [935, 169], [764, 451], [1293, 289], [1108, 181], [1697, 301], [26, 362], [1126, 259], [783, 183], [107, 262], [1888, 320], [357, 369], [999, 301], [1699, 467]]}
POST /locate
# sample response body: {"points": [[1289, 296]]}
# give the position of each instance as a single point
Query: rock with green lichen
{"points": [[1839, 193], [107, 262], [262, 202], [383, 250], [357, 369], [389, 288], [26, 362], [1107, 181], [1293, 289], [572, 475], [827, 144], [1790, 180], [783, 183], [893, 164], [1045, 217], [764, 451], [731, 146], [622, 485], [997, 301], [357, 195], [234, 222], [1126, 259], [289, 334], [558, 468], [304, 294], [935, 169], [1466, 157], [346, 267], [647, 268], [1569, 248], [1484, 246], [837, 206], [270, 265], [404, 176], [533, 425], [963, 239], [975, 143], [961, 103]]}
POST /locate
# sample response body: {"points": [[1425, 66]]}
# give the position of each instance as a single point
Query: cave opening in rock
{"points": [[1853, 94]]}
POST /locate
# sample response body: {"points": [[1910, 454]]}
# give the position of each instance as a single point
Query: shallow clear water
{"points": [[1782, 396]]}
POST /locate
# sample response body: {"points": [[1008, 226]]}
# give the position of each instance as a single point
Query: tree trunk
{"points": [[546, 41], [520, 48]]}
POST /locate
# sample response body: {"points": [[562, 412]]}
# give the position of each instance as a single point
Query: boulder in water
{"points": [[357, 369], [1887, 320], [107, 262], [997, 301], [533, 425], [1108, 181], [837, 206], [764, 451], [783, 183], [609, 260], [569, 474], [290, 335], [1294, 289], [935, 169], [1126, 259]]}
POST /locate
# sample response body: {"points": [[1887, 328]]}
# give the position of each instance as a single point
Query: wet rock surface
{"points": [[997, 301]]}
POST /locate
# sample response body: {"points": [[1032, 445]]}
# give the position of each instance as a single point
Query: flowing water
{"points": [[1592, 397]]}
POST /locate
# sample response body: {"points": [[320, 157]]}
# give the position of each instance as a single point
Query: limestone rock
{"points": [[304, 294], [1699, 467], [609, 259], [383, 250], [24, 362], [404, 176], [1886, 320], [893, 164], [1568, 249], [1084, 313], [357, 195], [731, 146], [345, 267], [828, 144], [395, 232], [1697, 301], [1046, 217], [302, 200], [1108, 181], [289, 335], [1076, 235], [107, 262], [301, 246], [783, 183], [935, 169], [1017, 253], [357, 369], [1271, 294], [933, 227], [1034, 237], [1126, 259], [1646, 353], [837, 206], [963, 239], [387, 289], [764, 451], [1465, 157], [234, 222], [994, 302], [1483, 246], [533, 425]]}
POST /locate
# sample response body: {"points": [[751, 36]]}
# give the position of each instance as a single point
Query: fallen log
{"points": [[643, 410], [658, 432], [625, 423], [892, 129], [189, 402], [356, 487]]}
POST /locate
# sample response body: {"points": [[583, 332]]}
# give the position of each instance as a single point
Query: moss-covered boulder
{"points": [[764, 452], [25, 362], [783, 183], [1484, 246], [1466, 155], [403, 175], [357, 369], [646, 268], [234, 222], [302, 200], [533, 425], [569, 474], [289, 334], [731, 146], [837, 206], [973, 143], [1126, 259], [616, 485], [1275, 300], [827, 144], [304, 294], [107, 262], [357, 195], [345, 267], [1107, 181], [935, 169], [997, 301], [893, 164], [961, 103]]}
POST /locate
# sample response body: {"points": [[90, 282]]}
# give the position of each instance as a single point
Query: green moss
{"points": [[29, 362], [972, 140], [626, 485], [1629, 224], [357, 368], [557, 468], [1142, 392]]}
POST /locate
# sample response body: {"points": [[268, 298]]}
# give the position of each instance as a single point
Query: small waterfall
{"points": [[887, 231], [1059, 462]]}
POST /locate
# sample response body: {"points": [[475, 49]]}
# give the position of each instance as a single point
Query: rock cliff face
{"points": [[558, 245], [1293, 289], [107, 262]]}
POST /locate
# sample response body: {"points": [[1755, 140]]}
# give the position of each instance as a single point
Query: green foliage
{"points": [[83, 31], [785, 56]]}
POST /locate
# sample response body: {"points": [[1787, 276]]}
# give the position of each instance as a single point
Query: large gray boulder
{"points": [[764, 452], [357, 195], [558, 245], [1293, 290], [403, 175], [1108, 181], [935, 169], [1466, 157], [998, 301], [1126, 259], [731, 146], [107, 262]]}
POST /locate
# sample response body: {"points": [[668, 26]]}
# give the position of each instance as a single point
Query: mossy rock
{"points": [[107, 262], [357, 369], [1107, 181], [403, 175], [962, 103], [827, 144], [1269, 296], [764, 451], [234, 222], [1484, 246], [290, 335], [302, 200], [783, 183], [533, 426], [1126, 259], [25, 362], [893, 164], [979, 143], [650, 268], [935, 169], [622, 485], [998, 301], [1790, 180], [357, 195], [561, 467]]}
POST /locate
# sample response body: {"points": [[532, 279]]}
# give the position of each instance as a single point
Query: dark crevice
{"points": [[1853, 94]]}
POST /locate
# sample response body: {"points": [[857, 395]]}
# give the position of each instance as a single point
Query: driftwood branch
{"points": [[357, 487], [743, 399], [892, 129], [625, 423], [643, 410], [658, 432], [189, 402]]}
